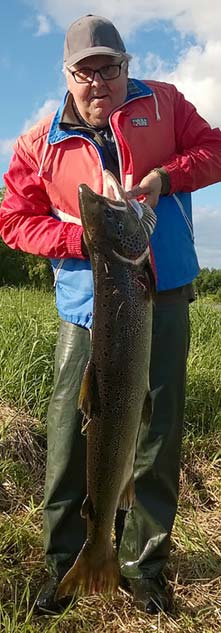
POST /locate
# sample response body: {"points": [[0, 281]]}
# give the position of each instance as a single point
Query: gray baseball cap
{"points": [[92, 35]]}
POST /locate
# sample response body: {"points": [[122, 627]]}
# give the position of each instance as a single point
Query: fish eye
{"points": [[120, 226]]}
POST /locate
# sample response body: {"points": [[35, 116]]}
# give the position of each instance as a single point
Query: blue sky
{"points": [[182, 47]]}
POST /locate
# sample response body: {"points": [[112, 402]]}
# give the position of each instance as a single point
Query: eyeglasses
{"points": [[86, 75]]}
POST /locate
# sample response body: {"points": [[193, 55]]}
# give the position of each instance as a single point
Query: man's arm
{"points": [[197, 162], [25, 220]]}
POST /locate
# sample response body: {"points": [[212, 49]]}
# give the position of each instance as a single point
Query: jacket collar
{"points": [[65, 122]]}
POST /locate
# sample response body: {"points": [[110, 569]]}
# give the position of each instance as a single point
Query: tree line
{"points": [[208, 282], [18, 268]]}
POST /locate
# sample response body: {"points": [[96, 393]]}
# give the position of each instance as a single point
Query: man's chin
{"points": [[101, 115]]}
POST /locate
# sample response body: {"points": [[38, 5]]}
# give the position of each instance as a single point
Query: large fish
{"points": [[115, 386]]}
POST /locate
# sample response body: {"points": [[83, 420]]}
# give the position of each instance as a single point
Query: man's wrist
{"points": [[165, 180]]}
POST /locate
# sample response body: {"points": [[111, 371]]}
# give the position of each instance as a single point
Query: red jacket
{"points": [[183, 143]]}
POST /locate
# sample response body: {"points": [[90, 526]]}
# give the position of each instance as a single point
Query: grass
{"points": [[195, 568], [203, 399], [28, 329], [28, 325]]}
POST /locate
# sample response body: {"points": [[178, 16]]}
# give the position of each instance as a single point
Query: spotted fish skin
{"points": [[115, 387]]}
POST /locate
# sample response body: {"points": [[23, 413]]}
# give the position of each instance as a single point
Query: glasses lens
{"points": [[112, 71], [83, 75]]}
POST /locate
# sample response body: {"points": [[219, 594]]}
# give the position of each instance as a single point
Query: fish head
{"points": [[113, 225]]}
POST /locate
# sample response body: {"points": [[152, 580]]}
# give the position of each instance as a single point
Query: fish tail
{"points": [[96, 570]]}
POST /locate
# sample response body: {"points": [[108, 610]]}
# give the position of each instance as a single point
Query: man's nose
{"points": [[97, 77]]}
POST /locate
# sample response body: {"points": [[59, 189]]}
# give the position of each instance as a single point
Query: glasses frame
{"points": [[98, 70]]}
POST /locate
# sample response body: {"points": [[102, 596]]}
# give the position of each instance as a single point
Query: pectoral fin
{"points": [[89, 401], [87, 509], [148, 218], [128, 496], [147, 409]]}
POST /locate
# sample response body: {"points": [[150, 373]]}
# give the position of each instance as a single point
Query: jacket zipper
{"points": [[115, 138]]}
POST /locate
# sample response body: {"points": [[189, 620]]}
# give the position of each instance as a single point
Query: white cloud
{"points": [[207, 229], [50, 105], [196, 16], [197, 75], [6, 146], [44, 26]]}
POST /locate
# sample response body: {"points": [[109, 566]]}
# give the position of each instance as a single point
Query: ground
{"points": [[195, 566]]}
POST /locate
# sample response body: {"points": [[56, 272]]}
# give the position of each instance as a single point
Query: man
{"points": [[157, 145]]}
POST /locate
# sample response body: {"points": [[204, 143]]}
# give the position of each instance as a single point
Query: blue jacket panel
{"points": [[74, 290], [173, 242]]}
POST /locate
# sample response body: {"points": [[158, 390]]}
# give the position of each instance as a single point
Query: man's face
{"points": [[96, 100]]}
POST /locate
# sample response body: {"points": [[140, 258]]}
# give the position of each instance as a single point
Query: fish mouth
{"points": [[86, 193], [112, 189]]}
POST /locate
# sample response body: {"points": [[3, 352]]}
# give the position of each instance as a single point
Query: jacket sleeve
{"points": [[197, 162], [25, 220]]}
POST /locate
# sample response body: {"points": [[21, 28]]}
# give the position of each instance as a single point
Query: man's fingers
{"points": [[152, 200], [134, 193]]}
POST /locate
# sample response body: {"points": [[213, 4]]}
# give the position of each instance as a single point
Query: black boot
{"points": [[46, 601], [152, 595]]}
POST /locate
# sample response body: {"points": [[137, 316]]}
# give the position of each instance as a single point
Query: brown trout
{"points": [[115, 388]]}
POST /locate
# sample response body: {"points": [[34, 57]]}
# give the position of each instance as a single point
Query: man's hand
{"points": [[150, 186]]}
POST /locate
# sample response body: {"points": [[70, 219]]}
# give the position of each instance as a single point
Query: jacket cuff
{"points": [[174, 176], [165, 180], [75, 244]]}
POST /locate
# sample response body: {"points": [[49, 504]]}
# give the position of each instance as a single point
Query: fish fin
{"points": [[89, 400], [147, 409], [146, 281], [128, 496], [96, 570], [152, 280], [87, 509], [148, 218]]}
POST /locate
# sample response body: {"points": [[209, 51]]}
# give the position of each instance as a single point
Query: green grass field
{"points": [[28, 326]]}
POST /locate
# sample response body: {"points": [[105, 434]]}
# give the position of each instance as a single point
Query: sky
{"points": [[171, 40]]}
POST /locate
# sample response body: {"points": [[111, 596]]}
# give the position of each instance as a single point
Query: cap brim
{"points": [[91, 52]]}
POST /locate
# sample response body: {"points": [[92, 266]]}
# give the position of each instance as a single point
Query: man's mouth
{"points": [[98, 97]]}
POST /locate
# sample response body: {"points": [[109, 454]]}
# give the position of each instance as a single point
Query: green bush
{"points": [[22, 269], [208, 281]]}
